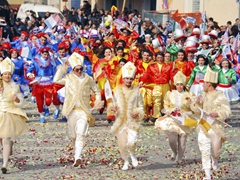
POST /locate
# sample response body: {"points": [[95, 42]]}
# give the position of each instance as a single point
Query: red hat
{"points": [[6, 45], [196, 32], [62, 45], [205, 39], [67, 43], [12, 50], [190, 47], [79, 51], [41, 34], [31, 36], [25, 33], [15, 38], [45, 49]]}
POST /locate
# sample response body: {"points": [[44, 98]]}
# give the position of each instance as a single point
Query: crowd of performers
{"points": [[169, 73]]}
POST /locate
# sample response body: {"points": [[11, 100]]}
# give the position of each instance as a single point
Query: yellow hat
{"points": [[211, 76], [7, 66], [179, 78], [128, 70], [75, 59]]}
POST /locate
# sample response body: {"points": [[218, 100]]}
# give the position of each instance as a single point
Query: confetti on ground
{"points": [[46, 152]]}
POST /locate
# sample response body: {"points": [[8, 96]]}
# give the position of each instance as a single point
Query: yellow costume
{"points": [[76, 104], [128, 101], [12, 118], [177, 106], [211, 136]]}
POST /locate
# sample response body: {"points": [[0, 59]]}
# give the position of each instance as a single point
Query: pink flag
{"points": [[235, 44], [225, 37]]}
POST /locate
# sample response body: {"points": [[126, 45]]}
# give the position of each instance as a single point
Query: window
{"points": [[195, 5]]}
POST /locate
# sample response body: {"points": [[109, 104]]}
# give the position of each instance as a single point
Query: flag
{"points": [[204, 52], [235, 43], [119, 23], [53, 20], [98, 71], [185, 121], [166, 4], [183, 23], [225, 38], [108, 91], [0, 32], [26, 53], [203, 28], [205, 122], [113, 9], [169, 27], [154, 23], [190, 20], [226, 51]]}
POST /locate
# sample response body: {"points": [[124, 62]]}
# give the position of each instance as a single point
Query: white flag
{"points": [[108, 91]]}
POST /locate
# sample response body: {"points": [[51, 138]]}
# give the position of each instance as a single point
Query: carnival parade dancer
{"points": [[76, 107], [43, 87], [177, 107], [12, 118], [216, 109], [128, 109], [227, 82], [197, 75]]}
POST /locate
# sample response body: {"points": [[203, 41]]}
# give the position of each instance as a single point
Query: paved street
{"points": [[46, 152]]}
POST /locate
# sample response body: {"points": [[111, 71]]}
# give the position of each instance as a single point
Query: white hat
{"points": [[178, 34], [7, 66], [211, 76], [179, 78], [214, 33], [205, 39], [191, 46], [75, 59], [192, 38], [196, 32], [128, 70]]}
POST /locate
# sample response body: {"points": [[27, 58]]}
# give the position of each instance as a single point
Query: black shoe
{"points": [[152, 119], [145, 120], [109, 121], [4, 170]]}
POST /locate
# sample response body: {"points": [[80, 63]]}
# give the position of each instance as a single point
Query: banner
{"points": [[119, 23]]}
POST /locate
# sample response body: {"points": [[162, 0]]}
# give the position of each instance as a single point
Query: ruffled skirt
{"points": [[12, 125], [168, 124], [231, 93]]}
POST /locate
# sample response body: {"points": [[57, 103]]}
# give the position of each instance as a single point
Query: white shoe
{"points": [[205, 178], [134, 160], [214, 164], [125, 166]]}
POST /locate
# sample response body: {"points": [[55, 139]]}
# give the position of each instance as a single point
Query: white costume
{"points": [[210, 137], [128, 101], [76, 104]]}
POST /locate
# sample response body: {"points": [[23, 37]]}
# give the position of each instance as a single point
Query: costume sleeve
{"points": [[135, 35], [139, 109], [166, 102], [95, 89], [58, 78], [222, 107], [192, 77], [233, 77], [115, 32]]}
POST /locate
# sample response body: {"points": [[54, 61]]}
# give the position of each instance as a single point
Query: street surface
{"points": [[46, 152]]}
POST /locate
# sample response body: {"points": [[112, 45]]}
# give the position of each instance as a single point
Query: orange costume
{"points": [[145, 91], [157, 79], [127, 39], [185, 67]]}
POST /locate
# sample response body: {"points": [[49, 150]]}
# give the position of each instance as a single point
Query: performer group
{"points": [[179, 83]]}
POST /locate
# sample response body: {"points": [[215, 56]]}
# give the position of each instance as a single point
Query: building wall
{"points": [[221, 10]]}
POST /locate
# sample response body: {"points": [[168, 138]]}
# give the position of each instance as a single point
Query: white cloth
{"points": [[209, 145]]}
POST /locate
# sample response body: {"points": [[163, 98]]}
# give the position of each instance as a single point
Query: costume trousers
{"points": [[147, 100], [209, 145], [127, 139], [78, 127], [43, 95], [56, 87]]}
